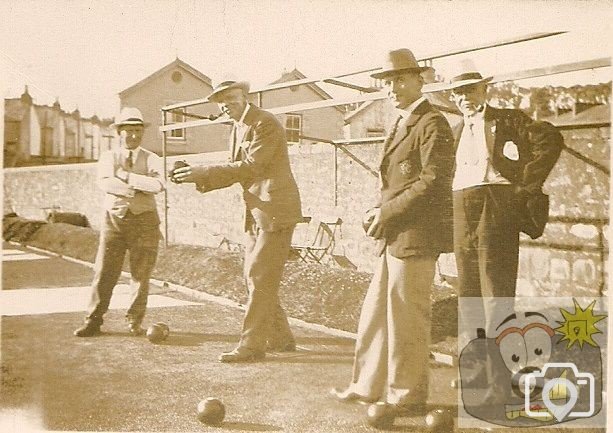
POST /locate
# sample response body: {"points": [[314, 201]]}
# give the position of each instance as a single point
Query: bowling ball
{"points": [[439, 421], [380, 416], [165, 328], [155, 333], [178, 164], [211, 411]]}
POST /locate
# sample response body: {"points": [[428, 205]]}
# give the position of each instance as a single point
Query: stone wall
{"points": [[569, 258]]}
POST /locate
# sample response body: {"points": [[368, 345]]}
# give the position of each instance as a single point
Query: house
{"points": [[321, 123], [178, 81], [39, 134], [175, 82]]}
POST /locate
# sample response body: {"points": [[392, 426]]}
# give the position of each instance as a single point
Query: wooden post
{"points": [[165, 177]]}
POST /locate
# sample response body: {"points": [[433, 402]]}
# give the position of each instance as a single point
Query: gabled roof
{"points": [[177, 63], [297, 75]]}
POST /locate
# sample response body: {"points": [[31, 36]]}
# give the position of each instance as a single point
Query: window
{"points": [[375, 132], [293, 128], [176, 116]]}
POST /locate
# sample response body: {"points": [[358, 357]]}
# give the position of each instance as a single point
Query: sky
{"points": [[85, 52]]}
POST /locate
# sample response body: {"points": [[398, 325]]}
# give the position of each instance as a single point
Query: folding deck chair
{"points": [[313, 247]]}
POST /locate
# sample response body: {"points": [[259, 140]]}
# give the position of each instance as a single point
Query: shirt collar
{"points": [[479, 115], [241, 121], [125, 152], [406, 112]]}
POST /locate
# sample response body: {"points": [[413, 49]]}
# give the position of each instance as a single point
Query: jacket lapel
{"points": [[404, 128], [250, 119], [457, 133], [489, 119]]}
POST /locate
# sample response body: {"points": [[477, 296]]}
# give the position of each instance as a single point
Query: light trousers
{"points": [[392, 347], [265, 257]]}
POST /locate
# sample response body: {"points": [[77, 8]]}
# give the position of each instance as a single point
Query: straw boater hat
{"points": [[467, 79], [129, 116], [227, 85], [399, 62]]}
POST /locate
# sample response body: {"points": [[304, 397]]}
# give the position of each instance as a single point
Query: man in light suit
{"points": [[130, 176], [413, 225], [259, 162]]}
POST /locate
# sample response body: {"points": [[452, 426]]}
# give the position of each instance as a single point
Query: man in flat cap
{"points": [[130, 176], [259, 162], [503, 157], [412, 223]]}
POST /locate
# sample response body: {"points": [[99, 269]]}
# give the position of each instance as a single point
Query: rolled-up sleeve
{"points": [[153, 182], [106, 179]]}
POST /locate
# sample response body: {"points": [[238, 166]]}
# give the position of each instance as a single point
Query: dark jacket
{"points": [[262, 168], [416, 175], [538, 147]]}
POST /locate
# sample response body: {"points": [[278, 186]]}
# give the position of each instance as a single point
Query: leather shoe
{"points": [[136, 330], [347, 396], [242, 354], [89, 329], [287, 347]]}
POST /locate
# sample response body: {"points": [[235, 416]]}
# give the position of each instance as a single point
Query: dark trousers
{"points": [[265, 256], [140, 235], [486, 243]]}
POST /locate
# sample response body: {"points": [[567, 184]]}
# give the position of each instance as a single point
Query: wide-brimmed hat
{"points": [[398, 62], [227, 85], [466, 79], [129, 116]]}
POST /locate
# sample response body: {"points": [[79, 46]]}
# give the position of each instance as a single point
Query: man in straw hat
{"points": [[259, 162], [130, 176], [412, 223], [503, 157]]}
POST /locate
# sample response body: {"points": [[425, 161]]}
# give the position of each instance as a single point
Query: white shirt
{"points": [[238, 132], [473, 165], [153, 182], [406, 112], [125, 153]]}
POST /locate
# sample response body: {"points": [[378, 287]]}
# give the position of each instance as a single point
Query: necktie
{"points": [[394, 129], [471, 126], [387, 143], [471, 149], [129, 161], [392, 133]]}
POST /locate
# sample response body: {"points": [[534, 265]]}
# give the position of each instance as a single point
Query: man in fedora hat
{"points": [[259, 161], [412, 224], [503, 157], [130, 176]]}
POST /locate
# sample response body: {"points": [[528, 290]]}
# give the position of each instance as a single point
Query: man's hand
{"points": [[376, 229], [189, 174]]}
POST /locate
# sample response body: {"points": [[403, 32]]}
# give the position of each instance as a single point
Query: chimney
{"points": [[26, 99]]}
